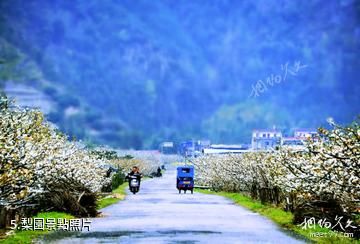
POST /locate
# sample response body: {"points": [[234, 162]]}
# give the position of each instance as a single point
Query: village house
{"points": [[167, 147], [265, 139]]}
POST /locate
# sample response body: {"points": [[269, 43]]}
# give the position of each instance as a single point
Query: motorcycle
{"points": [[134, 184]]}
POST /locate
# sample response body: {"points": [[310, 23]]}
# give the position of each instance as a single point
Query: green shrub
{"points": [[117, 180]]}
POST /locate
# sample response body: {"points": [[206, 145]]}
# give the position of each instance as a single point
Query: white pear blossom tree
{"points": [[329, 166], [36, 161]]}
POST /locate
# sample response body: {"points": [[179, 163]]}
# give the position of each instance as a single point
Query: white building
{"points": [[265, 139]]}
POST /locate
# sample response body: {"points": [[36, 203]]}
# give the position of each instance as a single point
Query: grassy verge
{"points": [[117, 195], [284, 219], [21, 236], [28, 236]]}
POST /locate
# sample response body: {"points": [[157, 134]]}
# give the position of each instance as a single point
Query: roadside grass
{"points": [[22, 236], [117, 195], [25, 237], [284, 219]]}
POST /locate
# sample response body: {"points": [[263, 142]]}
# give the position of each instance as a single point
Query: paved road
{"points": [[158, 214]]}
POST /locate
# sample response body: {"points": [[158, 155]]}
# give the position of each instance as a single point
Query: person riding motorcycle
{"points": [[134, 172]]}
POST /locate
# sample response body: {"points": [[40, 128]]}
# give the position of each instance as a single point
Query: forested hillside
{"points": [[147, 71]]}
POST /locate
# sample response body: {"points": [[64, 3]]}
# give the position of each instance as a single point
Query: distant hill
{"points": [[172, 70], [27, 88]]}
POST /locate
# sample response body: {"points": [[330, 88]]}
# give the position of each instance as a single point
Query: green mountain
{"points": [[146, 71]]}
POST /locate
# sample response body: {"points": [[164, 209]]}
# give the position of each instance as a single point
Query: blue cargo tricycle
{"points": [[185, 178]]}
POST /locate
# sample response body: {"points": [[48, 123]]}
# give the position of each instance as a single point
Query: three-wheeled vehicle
{"points": [[185, 178]]}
